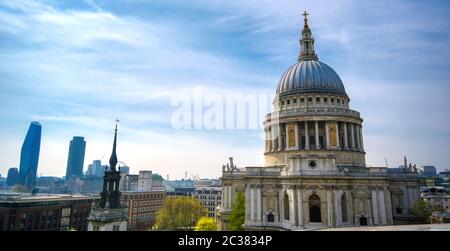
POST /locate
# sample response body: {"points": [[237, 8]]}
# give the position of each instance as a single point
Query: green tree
{"points": [[179, 213], [206, 224], [421, 209], [237, 215]]}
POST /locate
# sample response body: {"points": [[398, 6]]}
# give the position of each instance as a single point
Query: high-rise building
{"points": [[125, 170], [429, 171], [96, 169], [75, 160], [13, 176], [29, 155]]}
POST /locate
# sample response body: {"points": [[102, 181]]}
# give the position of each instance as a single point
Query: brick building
{"points": [[142, 208]]}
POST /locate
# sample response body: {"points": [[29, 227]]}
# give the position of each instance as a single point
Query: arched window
{"points": [[286, 206], [344, 211], [315, 214]]}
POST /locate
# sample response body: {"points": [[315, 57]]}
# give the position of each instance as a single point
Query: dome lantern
{"points": [[309, 74]]}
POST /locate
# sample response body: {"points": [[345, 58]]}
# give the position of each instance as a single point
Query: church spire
{"points": [[113, 158], [307, 51]]}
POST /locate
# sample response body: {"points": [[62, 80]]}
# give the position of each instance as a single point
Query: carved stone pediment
{"points": [[313, 187], [361, 192]]}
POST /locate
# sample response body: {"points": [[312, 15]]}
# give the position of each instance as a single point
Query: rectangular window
{"points": [[302, 100], [325, 100], [317, 100], [282, 102], [338, 101], [310, 100], [289, 102], [332, 100], [295, 101]]}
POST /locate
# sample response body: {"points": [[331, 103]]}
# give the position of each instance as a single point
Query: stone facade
{"points": [[315, 174]]}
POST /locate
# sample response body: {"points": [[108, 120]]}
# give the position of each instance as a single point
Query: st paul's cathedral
{"points": [[315, 174]]}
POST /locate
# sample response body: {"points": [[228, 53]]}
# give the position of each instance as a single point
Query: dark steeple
{"points": [[113, 158], [110, 195]]}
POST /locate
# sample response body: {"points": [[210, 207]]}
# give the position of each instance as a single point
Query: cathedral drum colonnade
{"points": [[315, 174]]}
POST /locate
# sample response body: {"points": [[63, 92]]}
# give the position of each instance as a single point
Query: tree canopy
{"points": [[206, 224], [421, 208], [179, 213], [237, 215]]}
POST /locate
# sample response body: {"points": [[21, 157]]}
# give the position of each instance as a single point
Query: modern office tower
{"points": [[429, 171], [125, 170], [13, 176], [96, 169], [29, 155], [75, 160]]}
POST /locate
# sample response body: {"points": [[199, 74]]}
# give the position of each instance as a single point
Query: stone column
{"points": [[266, 140], [345, 136], [327, 135], [300, 207], [297, 145], [286, 126], [337, 209], [252, 203], [329, 209], [351, 216], [280, 142], [357, 137], [352, 135], [382, 208], [338, 145], [361, 138], [375, 208], [306, 135], [390, 220], [247, 204], [316, 123], [258, 204], [230, 196]]}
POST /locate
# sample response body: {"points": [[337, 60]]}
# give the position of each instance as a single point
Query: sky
{"points": [[75, 66]]}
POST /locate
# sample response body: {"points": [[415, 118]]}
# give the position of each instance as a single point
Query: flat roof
{"points": [[27, 197]]}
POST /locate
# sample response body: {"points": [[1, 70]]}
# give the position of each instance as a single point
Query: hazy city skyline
{"points": [[76, 66]]}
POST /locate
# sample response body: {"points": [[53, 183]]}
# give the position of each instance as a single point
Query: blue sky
{"points": [[75, 66]]}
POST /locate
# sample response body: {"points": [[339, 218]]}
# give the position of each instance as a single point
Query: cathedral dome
{"points": [[310, 76]]}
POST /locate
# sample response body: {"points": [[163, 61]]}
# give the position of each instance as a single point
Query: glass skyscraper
{"points": [[13, 176], [29, 155], [75, 160]]}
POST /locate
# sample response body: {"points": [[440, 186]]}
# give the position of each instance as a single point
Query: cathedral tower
{"points": [[311, 115]]}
